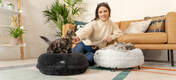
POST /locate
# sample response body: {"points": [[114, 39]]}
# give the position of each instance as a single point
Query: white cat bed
{"points": [[110, 58]]}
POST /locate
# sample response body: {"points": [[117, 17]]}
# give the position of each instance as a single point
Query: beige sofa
{"points": [[154, 40]]}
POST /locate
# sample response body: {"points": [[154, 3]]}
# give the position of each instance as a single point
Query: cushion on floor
{"points": [[62, 64], [110, 58]]}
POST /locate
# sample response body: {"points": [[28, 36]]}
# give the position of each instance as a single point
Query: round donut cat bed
{"points": [[119, 59], [62, 64]]}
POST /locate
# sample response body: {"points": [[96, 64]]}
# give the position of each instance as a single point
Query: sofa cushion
{"points": [[125, 24], [141, 38], [138, 27], [157, 24], [79, 24]]}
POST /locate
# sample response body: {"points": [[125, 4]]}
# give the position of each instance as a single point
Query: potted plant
{"points": [[0, 1], [11, 6], [16, 33], [1, 5], [62, 13]]}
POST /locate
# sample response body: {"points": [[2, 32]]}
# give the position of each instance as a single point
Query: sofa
{"points": [[165, 40], [153, 40]]}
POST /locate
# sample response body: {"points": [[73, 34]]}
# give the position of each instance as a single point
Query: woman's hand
{"points": [[108, 39], [76, 40]]}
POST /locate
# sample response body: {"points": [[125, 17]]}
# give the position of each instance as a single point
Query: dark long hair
{"points": [[100, 5]]}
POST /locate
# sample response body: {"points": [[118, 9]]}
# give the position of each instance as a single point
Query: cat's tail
{"points": [[45, 39]]}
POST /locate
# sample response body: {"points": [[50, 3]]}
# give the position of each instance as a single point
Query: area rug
{"points": [[30, 72]]}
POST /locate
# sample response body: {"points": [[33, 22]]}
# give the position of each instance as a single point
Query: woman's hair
{"points": [[100, 5]]}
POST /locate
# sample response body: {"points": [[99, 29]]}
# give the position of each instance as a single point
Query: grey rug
{"points": [[16, 67], [30, 72], [27, 72]]}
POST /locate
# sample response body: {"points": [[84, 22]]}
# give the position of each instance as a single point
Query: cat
{"points": [[120, 46], [58, 60], [62, 44]]}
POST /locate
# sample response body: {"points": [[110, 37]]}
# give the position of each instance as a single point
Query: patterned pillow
{"points": [[79, 24], [157, 24]]}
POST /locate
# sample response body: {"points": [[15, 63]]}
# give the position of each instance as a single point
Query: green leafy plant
{"points": [[62, 13], [16, 32], [10, 4]]}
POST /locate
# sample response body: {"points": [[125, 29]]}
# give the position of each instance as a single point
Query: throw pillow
{"points": [[79, 24], [138, 27], [157, 24]]}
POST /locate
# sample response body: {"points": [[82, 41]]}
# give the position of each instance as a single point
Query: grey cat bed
{"points": [[62, 64], [110, 58]]}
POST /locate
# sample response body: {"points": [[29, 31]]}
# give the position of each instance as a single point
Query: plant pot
{"points": [[1, 5], [15, 41], [66, 27], [11, 7]]}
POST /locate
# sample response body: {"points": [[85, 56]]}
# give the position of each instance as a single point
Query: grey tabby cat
{"points": [[120, 46], [62, 44]]}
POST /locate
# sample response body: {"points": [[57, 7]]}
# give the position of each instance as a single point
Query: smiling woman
{"points": [[100, 31], [103, 13], [102, 9]]}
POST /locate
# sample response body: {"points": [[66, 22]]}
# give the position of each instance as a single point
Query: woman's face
{"points": [[103, 13]]}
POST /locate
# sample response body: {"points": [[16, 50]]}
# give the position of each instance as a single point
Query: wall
{"points": [[133, 9], [36, 25], [35, 22]]}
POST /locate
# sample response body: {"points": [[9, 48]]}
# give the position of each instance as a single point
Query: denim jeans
{"points": [[81, 48]]}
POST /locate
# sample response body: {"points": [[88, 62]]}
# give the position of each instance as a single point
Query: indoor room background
{"points": [[35, 23]]}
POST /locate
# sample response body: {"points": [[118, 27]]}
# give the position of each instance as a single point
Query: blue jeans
{"points": [[81, 48]]}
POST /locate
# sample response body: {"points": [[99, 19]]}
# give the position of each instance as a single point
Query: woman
{"points": [[100, 31]]}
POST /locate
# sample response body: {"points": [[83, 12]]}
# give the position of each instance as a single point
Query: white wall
{"points": [[35, 24], [34, 21], [133, 9]]}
